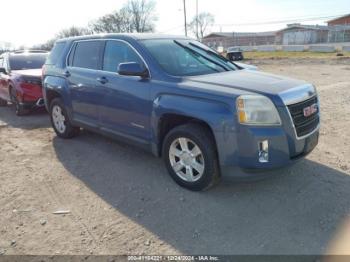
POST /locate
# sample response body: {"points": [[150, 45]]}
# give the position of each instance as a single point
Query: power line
{"points": [[294, 20], [288, 20], [197, 26], [185, 17]]}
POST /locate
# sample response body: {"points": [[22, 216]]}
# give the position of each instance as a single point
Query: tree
{"points": [[142, 15], [72, 31], [46, 46], [204, 20], [117, 22], [135, 16], [68, 32]]}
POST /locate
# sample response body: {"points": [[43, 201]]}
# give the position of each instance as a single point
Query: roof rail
{"points": [[29, 51]]}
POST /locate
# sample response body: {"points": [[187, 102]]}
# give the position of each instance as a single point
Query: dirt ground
{"points": [[122, 201]]}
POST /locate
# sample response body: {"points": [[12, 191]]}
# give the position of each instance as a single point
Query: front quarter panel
{"points": [[218, 115]]}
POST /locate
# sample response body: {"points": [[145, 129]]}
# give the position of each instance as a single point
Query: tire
{"points": [[60, 120], [19, 109], [3, 102], [205, 172], [231, 57]]}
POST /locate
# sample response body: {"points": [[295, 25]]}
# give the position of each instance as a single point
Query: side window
{"points": [[1, 61], [117, 52], [71, 55], [55, 53], [87, 54]]}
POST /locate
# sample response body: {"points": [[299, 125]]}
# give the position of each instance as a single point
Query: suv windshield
{"points": [[186, 57], [27, 61]]}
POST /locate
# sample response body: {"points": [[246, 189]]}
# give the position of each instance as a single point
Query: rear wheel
{"points": [[19, 109], [60, 120], [190, 156]]}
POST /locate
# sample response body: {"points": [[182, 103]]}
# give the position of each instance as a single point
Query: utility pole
{"points": [[197, 34], [185, 17]]}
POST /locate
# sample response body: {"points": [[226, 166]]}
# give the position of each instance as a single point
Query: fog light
{"points": [[264, 151]]}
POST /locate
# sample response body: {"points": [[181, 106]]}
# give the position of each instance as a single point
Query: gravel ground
{"points": [[117, 199]]}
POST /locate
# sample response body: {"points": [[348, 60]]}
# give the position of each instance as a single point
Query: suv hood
{"points": [[247, 80], [28, 72]]}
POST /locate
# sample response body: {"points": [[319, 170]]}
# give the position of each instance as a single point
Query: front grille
{"points": [[304, 125]]}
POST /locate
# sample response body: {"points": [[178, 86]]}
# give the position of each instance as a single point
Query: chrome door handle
{"points": [[66, 74], [103, 80]]}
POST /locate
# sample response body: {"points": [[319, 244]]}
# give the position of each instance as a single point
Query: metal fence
{"points": [[337, 34], [304, 37]]}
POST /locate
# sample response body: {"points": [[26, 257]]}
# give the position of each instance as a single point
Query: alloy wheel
{"points": [[186, 159], [59, 119]]}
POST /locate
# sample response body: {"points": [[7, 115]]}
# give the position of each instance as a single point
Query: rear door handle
{"points": [[66, 74], [103, 80]]}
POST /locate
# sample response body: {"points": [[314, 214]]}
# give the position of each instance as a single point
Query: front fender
{"points": [[218, 115]]}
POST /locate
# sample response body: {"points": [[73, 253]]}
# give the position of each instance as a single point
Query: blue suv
{"points": [[177, 98]]}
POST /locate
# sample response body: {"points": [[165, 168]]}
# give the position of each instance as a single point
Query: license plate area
{"points": [[311, 142]]}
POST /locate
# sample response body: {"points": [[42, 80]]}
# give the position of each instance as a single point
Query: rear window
{"points": [[56, 53], [87, 54], [27, 61]]}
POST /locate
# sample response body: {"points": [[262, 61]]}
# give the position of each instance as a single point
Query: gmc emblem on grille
{"points": [[310, 110]]}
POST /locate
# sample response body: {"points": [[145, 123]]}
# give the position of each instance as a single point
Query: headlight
{"points": [[257, 110]]}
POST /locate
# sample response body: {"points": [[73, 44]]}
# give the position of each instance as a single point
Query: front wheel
{"points": [[60, 120], [190, 156]]}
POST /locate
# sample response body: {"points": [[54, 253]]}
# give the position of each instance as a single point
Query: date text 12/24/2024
{"points": [[173, 258]]}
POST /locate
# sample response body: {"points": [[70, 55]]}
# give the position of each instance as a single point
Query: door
{"points": [[81, 73], [127, 106]]}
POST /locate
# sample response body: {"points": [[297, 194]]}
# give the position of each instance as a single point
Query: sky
{"points": [[29, 22]]}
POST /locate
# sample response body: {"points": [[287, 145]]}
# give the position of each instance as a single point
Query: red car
{"points": [[20, 80]]}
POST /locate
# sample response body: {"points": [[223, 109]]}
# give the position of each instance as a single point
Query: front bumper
{"points": [[33, 104], [240, 146], [283, 151]]}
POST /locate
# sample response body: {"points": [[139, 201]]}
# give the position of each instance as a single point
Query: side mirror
{"points": [[132, 69], [3, 70]]}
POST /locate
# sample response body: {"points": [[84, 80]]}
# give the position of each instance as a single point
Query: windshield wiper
{"points": [[199, 54]]}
